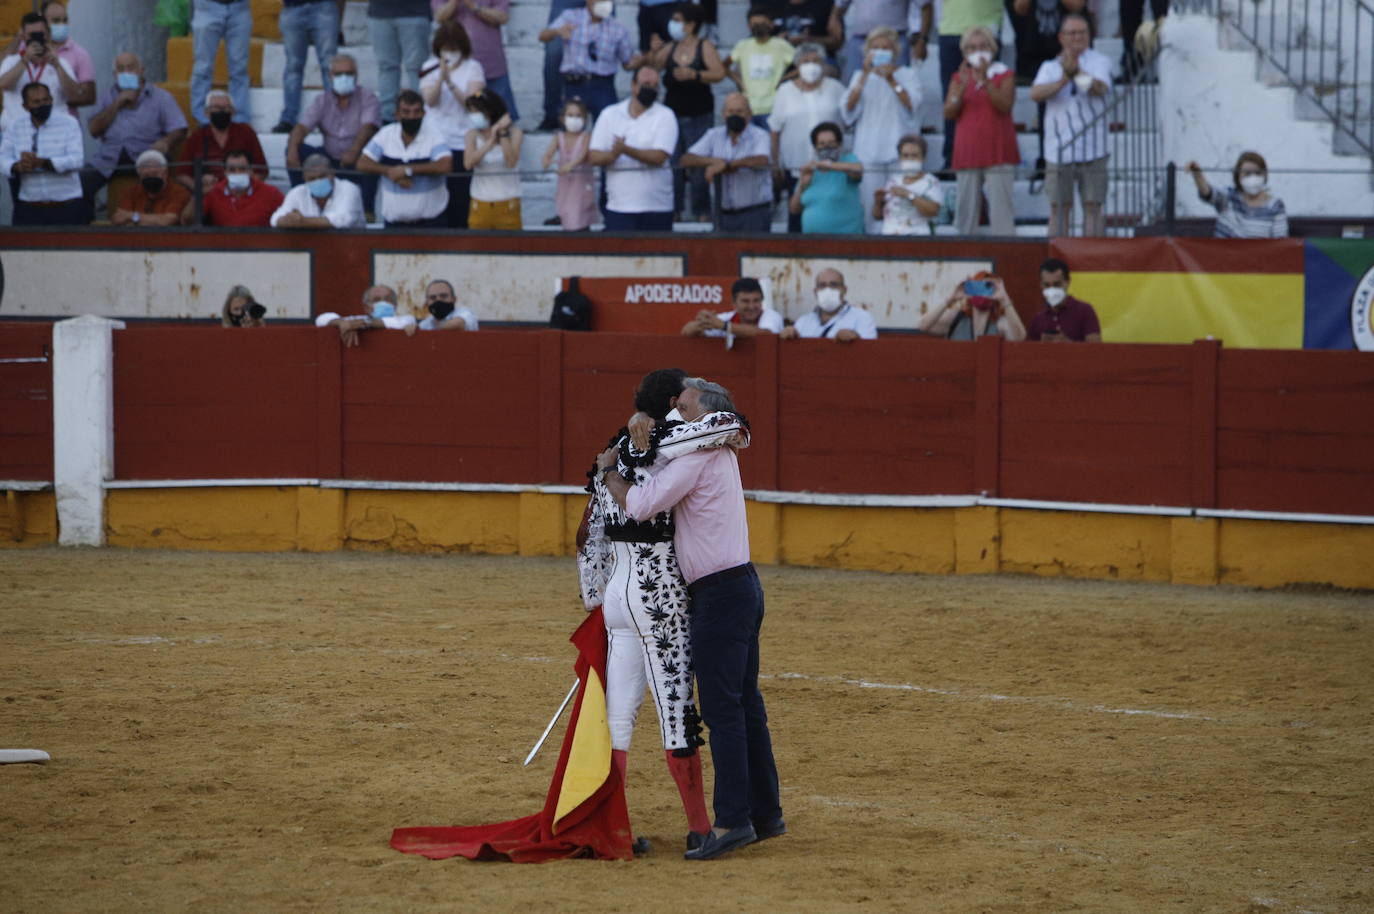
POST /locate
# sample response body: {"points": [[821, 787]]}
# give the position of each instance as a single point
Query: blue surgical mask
{"points": [[383, 309], [320, 187], [882, 57], [343, 83], [238, 180], [675, 30], [126, 81], [60, 31]]}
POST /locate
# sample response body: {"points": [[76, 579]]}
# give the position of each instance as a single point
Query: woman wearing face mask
{"points": [[967, 317], [1249, 209], [575, 197], [492, 153], [801, 103], [911, 197], [985, 152], [446, 81], [880, 108], [241, 309], [690, 65], [827, 196]]}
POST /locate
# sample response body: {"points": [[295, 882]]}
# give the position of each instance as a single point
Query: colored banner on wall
{"points": [[1340, 292], [1175, 290]]}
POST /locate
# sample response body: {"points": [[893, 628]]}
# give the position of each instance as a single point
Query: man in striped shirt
{"points": [[45, 152], [1074, 88]]}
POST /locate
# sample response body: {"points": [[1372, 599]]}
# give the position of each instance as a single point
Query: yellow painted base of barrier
{"points": [[28, 518], [971, 540]]}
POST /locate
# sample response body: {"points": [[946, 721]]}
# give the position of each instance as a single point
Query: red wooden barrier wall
{"points": [[25, 402]]}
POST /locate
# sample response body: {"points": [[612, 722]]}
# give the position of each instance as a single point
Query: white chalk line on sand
{"points": [[1064, 703]]}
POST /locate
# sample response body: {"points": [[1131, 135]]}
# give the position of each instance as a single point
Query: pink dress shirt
{"points": [[703, 490]]}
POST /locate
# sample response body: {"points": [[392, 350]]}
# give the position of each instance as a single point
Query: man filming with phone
{"points": [[1065, 319], [34, 61]]}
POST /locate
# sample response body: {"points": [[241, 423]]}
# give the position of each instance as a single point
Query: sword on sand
{"points": [[547, 730]]}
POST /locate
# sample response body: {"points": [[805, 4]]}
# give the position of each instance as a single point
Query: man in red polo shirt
{"points": [[241, 199], [213, 141], [1065, 319]]}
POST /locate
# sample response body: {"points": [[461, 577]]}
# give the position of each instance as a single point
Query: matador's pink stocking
{"points": [[687, 773]]}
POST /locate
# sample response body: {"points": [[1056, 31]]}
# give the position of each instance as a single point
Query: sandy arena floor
{"points": [[242, 732]]}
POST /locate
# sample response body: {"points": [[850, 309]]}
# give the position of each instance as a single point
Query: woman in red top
{"points": [[985, 154]]}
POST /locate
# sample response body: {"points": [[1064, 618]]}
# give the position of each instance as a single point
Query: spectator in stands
{"points": [[1132, 15], [230, 21], [134, 117], [304, 23], [827, 196], [34, 62], [749, 317], [833, 317], [738, 154], [44, 151], [1036, 25], [1248, 209], [654, 16], [1074, 88], [757, 64], [208, 144], [862, 20], [690, 65], [1065, 318], [379, 311], [811, 98], [412, 160], [966, 316], [324, 201], [912, 196], [447, 81], [594, 46], [156, 200], [575, 196], [444, 311], [634, 140], [802, 22], [985, 151], [77, 58], [882, 106], [492, 153], [241, 199], [399, 30], [347, 116], [553, 63], [956, 18], [241, 309], [482, 20]]}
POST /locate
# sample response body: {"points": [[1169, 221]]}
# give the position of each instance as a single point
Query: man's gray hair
{"points": [[713, 398], [218, 93], [317, 160], [808, 47], [348, 57]]}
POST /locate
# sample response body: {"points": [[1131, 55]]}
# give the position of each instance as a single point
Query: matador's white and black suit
{"points": [[629, 568]]}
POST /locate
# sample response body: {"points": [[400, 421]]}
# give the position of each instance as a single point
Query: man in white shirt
{"points": [[444, 311], [322, 202], [739, 153], [750, 317], [412, 159], [379, 313], [44, 151], [833, 317], [34, 62], [1074, 88], [633, 140]]}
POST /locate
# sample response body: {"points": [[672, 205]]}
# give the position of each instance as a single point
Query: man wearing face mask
{"points": [[134, 116], [44, 151], [209, 144], [595, 46], [412, 159], [738, 155], [347, 115], [633, 140], [77, 58], [324, 201], [1064, 319], [444, 311], [155, 200], [35, 62], [379, 313], [833, 317], [241, 199]]}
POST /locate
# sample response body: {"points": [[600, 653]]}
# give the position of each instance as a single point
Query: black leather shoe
{"points": [[641, 847], [695, 839], [283, 127], [715, 845], [766, 830]]}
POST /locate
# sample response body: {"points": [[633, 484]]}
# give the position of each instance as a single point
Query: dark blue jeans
{"points": [[950, 59], [637, 222], [726, 617], [553, 60]]}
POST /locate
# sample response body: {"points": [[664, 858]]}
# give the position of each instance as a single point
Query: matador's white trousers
{"points": [[649, 634]]}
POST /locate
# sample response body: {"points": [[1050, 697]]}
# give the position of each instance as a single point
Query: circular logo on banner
{"points": [[1362, 312]]}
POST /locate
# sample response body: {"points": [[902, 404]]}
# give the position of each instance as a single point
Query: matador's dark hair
{"points": [[656, 391]]}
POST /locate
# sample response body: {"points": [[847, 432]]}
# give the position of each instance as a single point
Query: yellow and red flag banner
{"points": [[584, 813]]}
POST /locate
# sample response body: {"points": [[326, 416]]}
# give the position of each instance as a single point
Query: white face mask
{"points": [[810, 72], [1054, 296], [828, 299], [478, 120], [238, 180], [574, 124], [977, 59], [603, 9], [911, 166], [1084, 81], [1252, 184]]}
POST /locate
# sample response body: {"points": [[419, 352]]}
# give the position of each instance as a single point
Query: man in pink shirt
{"points": [[712, 542]]}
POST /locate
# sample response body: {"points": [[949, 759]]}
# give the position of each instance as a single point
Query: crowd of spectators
{"points": [[825, 118]]}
